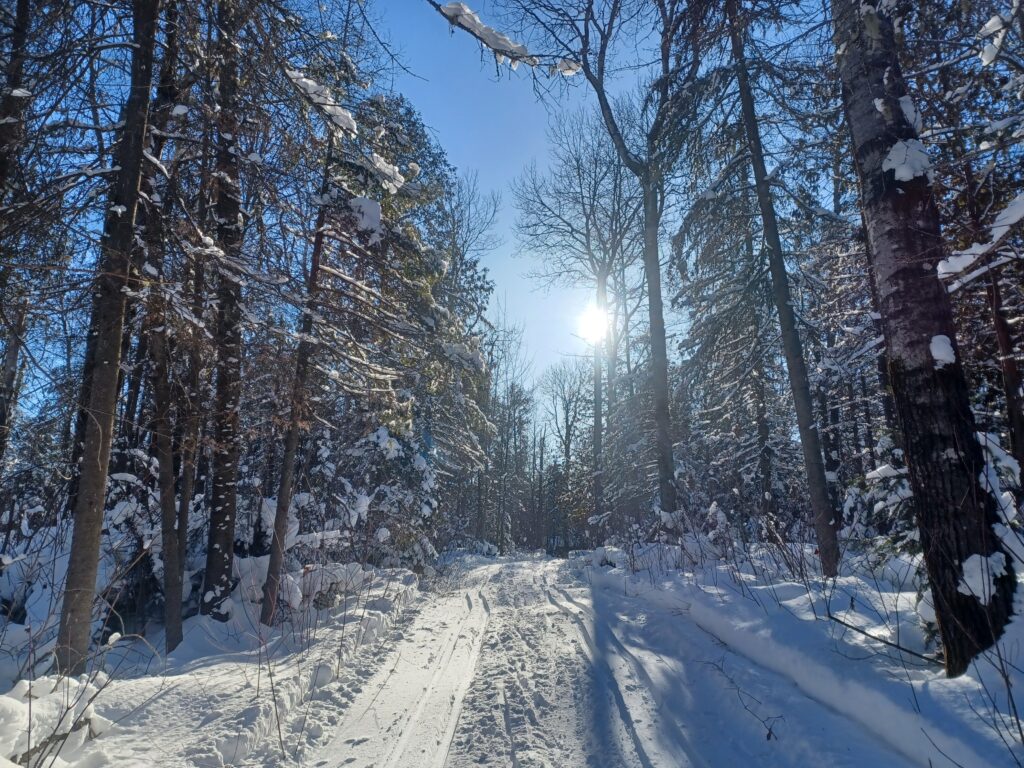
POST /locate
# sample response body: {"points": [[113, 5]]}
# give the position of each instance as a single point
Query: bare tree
{"points": [[581, 221], [661, 39], [565, 403], [228, 333]]}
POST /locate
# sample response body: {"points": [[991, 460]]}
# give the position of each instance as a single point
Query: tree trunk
{"points": [[190, 417], [543, 526], [659, 352], [822, 511], [869, 431], [131, 415], [829, 444], [1008, 367], [162, 427], [12, 129], [155, 340], [857, 448], [955, 510], [217, 582], [598, 439], [108, 324], [9, 374], [764, 451], [297, 406]]}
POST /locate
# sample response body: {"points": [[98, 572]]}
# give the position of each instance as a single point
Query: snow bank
{"points": [[47, 715], [784, 626], [219, 696], [612, 556]]}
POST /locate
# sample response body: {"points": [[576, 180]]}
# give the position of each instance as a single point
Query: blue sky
{"points": [[495, 126]]}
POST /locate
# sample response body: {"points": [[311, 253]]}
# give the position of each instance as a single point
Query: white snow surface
{"points": [[368, 217], [531, 662], [215, 701]]}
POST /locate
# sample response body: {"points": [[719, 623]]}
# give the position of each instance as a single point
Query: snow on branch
{"points": [[1007, 219], [462, 16], [388, 174], [320, 95], [996, 28]]}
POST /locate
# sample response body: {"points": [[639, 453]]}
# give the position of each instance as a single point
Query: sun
{"points": [[592, 324]]}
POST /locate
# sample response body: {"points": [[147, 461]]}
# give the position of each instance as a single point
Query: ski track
{"points": [[523, 665], [514, 663]]}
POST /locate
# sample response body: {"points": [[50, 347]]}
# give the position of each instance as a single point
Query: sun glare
{"points": [[592, 325]]}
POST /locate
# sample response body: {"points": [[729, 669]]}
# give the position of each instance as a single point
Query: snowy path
{"points": [[523, 664]]}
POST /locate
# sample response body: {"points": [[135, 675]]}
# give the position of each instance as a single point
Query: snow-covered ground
{"points": [[539, 662]]}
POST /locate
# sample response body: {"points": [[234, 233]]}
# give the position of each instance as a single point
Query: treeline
{"points": [[243, 312], [803, 227], [242, 307]]}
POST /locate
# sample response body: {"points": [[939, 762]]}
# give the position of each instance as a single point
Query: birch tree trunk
{"points": [[108, 325], [955, 510]]}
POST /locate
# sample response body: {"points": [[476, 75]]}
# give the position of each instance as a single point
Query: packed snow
{"points": [[659, 656]]}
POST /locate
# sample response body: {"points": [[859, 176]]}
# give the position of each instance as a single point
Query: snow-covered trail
{"points": [[522, 663]]}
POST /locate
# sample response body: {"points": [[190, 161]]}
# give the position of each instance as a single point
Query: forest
{"points": [[255, 370]]}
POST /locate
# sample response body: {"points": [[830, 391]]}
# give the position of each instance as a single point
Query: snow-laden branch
{"points": [[462, 16], [996, 28], [324, 100], [1007, 219]]}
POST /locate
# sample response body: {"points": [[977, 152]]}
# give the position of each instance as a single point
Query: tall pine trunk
{"points": [[157, 343], [598, 439], [9, 372], [108, 326], [296, 416], [659, 351], [955, 510], [822, 511], [12, 128], [217, 580]]}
